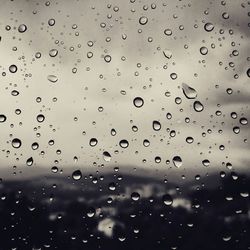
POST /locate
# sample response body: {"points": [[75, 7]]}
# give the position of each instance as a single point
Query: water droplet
{"points": [[106, 156], [53, 52], [198, 106], [93, 142], [77, 175], [13, 68], [22, 28], [135, 196], [123, 143], [203, 50], [208, 27], [177, 161], [143, 20], [29, 162], [91, 212], [51, 22], [167, 199], [188, 91], [40, 118], [107, 58], [243, 121], [168, 32], [138, 102], [156, 125], [16, 143], [35, 146], [206, 163], [52, 78], [167, 53], [248, 72], [2, 118]]}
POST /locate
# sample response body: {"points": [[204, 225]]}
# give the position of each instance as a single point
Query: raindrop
{"points": [[16, 143], [40, 118], [2, 118], [138, 102], [208, 27], [52, 78], [198, 106], [51, 22], [156, 125], [107, 58], [206, 163], [203, 50], [167, 199], [188, 91], [93, 142], [22, 28], [167, 53], [248, 72], [135, 196], [13, 68], [123, 143], [53, 52], [29, 161], [143, 20], [177, 161], [106, 156], [77, 175]]}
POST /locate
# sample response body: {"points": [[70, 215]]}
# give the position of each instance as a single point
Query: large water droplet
{"points": [[106, 156], [138, 102], [177, 161], [29, 161], [143, 20], [198, 106], [156, 125], [135, 196], [93, 142], [203, 50], [123, 143], [13, 68], [16, 143], [2, 118], [188, 91], [22, 28], [77, 175], [208, 27], [167, 199], [40, 118], [53, 52]]}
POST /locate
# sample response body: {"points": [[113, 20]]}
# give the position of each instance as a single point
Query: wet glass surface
{"points": [[124, 125]]}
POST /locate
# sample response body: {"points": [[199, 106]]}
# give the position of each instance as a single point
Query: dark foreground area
{"points": [[125, 212]]}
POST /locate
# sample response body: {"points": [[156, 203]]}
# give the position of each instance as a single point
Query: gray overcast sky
{"points": [[138, 67]]}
